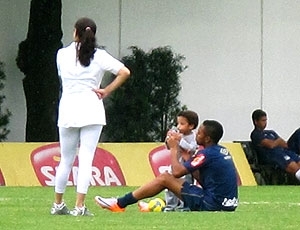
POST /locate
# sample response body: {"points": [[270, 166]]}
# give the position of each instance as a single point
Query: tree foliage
{"points": [[4, 113], [37, 60], [144, 108]]}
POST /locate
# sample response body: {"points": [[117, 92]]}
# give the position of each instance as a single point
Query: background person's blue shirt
{"points": [[257, 136]]}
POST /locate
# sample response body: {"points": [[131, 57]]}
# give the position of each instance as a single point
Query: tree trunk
{"points": [[37, 60]]}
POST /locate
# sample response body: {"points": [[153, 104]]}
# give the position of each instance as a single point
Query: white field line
{"points": [[268, 203]]}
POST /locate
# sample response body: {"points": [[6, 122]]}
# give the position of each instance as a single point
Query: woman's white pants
{"points": [[81, 139]]}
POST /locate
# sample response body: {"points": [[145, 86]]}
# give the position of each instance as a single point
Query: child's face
{"points": [[183, 126]]}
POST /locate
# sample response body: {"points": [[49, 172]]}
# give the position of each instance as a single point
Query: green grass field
{"points": [[261, 207]]}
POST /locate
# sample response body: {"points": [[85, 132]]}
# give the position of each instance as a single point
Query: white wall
{"points": [[223, 43], [13, 23], [281, 72], [106, 15]]}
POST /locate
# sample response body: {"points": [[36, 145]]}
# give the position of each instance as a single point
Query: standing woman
{"points": [[81, 67]]}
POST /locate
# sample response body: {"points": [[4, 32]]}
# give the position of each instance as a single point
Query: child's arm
{"points": [[192, 146]]}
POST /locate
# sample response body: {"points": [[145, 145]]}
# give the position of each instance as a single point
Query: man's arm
{"points": [[178, 170], [279, 142]]}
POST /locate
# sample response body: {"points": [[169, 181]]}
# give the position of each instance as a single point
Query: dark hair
{"points": [[213, 129], [191, 117], [257, 114], [85, 31]]}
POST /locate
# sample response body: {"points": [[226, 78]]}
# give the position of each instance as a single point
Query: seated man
{"points": [[212, 167], [294, 142], [272, 148]]}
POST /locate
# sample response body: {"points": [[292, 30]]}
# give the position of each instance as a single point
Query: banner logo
{"points": [[160, 160], [105, 171], [2, 181]]}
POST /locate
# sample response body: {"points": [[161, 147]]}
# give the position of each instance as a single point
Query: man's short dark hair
{"points": [[257, 114], [214, 130], [191, 117]]}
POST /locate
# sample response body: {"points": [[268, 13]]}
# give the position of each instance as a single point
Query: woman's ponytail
{"points": [[86, 44]]}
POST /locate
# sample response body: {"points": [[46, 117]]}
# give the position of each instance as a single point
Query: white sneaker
{"points": [[59, 209], [109, 203], [83, 211]]}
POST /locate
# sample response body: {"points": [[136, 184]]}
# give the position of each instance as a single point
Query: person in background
{"points": [[81, 66], [294, 142], [271, 148], [212, 167]]}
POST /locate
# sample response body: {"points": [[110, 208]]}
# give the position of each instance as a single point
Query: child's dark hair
{"points": [[85, 31], [257, 114], [191, 117], [214, 130]]}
